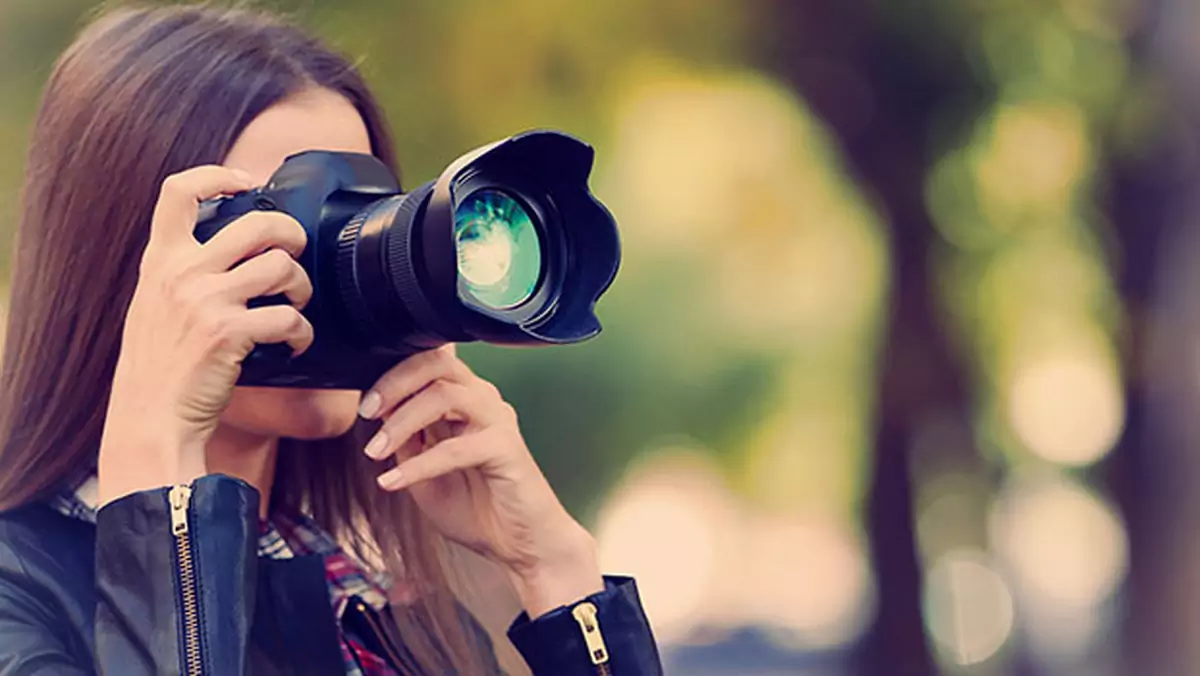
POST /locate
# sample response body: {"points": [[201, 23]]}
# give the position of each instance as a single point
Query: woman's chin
{"points": [[293, 413], [314, 428]]}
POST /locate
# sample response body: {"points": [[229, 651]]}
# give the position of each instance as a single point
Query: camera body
{"points": [[322, 191], [396, 273]]}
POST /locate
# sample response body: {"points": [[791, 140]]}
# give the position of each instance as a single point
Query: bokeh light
{"points": [[951, 507], [1034, 154], [733, 170], [1067, 407], [687, 147], [707, 560], [1067, 553], [968, 607], [808, 579], [1062, 541], [668, 525]]}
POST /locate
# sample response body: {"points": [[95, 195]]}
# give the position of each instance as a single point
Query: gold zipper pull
{"points": [[181, 496], [585, 615]]}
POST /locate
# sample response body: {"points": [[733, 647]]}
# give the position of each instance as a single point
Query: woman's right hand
{"points": [[188, 329]]}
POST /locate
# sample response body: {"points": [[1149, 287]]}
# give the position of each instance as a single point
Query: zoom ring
{"points": [[362, 323]]}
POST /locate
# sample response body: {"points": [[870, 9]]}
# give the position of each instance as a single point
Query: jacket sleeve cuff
{"points": [[139, 580], [553, 644]]}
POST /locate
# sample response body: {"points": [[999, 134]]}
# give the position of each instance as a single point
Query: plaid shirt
{"points": [[285, 537]]}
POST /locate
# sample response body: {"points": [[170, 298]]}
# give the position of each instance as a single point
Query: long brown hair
{"points": [[140, 95]]}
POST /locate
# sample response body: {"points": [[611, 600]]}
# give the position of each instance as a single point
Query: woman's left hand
{"points": [[460, 453]]}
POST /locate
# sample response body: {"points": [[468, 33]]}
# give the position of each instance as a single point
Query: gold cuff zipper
{"points": [[585, 615], [181, 498]]}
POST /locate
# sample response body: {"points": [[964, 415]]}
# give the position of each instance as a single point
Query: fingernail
{"points": [[376, 447], [244, 176], [391, 479], [370, 405]]}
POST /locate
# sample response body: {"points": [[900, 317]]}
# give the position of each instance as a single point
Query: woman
{"points": [[158, 519]]}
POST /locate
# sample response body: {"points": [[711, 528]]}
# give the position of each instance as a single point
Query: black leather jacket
{"points": [[156, 588]]}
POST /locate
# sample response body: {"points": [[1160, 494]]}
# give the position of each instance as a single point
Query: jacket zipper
{"points": [[589, 624], [181, 497], [369, 613]]}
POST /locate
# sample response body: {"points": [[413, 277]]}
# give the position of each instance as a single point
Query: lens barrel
{"points": [[507, 246]]}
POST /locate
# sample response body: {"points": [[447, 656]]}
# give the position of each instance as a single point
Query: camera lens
{"points": [[499, 249], [507, 246]]}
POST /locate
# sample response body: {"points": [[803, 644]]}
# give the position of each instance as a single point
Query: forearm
{"points": [[562, 577]]}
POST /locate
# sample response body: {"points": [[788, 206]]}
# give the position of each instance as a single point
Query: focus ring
{"points": [[400, 261]]}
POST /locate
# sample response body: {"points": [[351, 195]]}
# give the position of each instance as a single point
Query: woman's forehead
{"points": [[316, 119]]}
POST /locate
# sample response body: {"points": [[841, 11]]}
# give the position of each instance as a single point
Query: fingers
{"points": [[410, 376], [442, 399], [277, 324], [182, 193], [268, 274], [452, 455], [251, 235]]}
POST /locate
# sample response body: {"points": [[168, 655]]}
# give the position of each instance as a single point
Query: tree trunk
{"points": [[1155, 469], [880, 93]]}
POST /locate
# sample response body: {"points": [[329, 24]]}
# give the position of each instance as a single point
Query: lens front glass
{"points": [[499, 249]]}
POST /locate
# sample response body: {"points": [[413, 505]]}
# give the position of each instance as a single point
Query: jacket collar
{"points": [[280, 537]]}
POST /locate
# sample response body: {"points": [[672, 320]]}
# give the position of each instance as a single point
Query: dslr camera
{"points": [[507, 246]]}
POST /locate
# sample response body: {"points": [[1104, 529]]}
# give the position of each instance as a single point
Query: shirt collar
{"points": [[280, 537], [80, 502]]}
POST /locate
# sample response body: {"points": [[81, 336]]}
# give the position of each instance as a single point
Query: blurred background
{"points": [[900, 375]]}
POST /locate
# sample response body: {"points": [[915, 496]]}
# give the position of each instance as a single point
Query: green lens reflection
{"points": [[499, 250]]}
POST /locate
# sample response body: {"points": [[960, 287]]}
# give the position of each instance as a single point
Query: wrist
{"points": [[137, 458], [568, 574]]}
